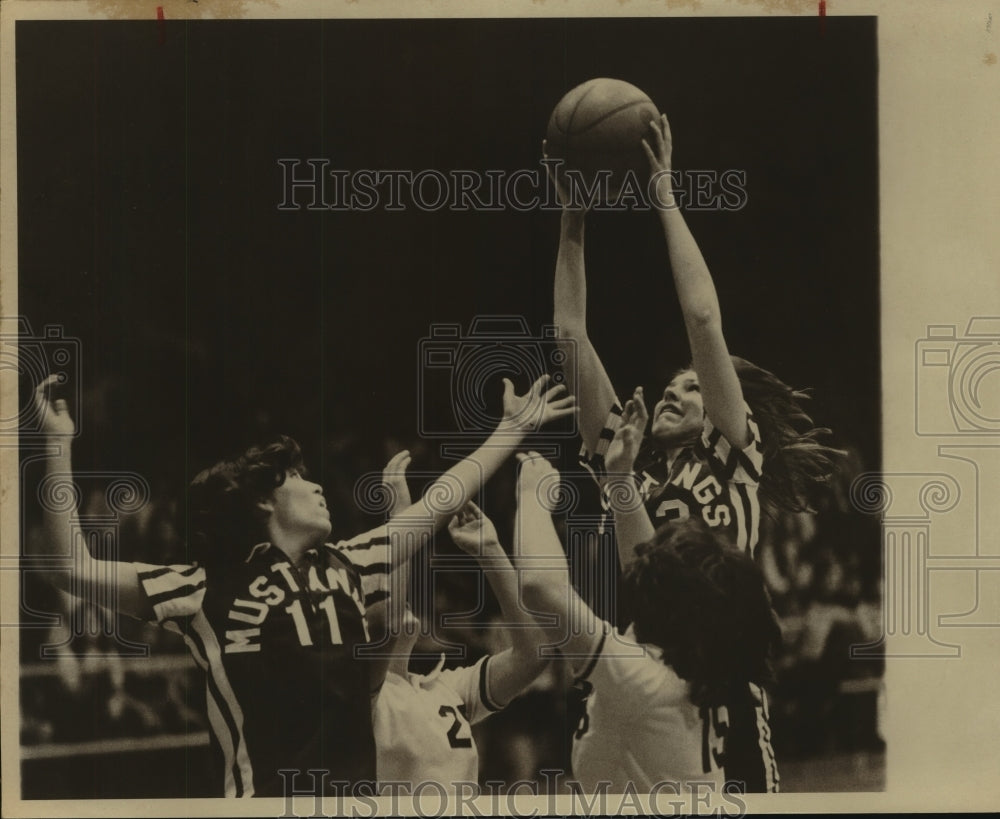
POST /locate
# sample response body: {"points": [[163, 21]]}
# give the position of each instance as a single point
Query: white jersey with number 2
{"points": [[423, 725]]}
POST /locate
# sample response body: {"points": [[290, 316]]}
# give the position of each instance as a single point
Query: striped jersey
{"points": [[276, 643], [750, 763], [423, 725], [709, 479], [640, 727]]}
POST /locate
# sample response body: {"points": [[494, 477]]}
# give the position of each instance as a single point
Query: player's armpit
{"points": [[375, 553], [582, 662], [509, 673], [635, 670], [578, 631], [744, 464], [111, 584], [165, 592]]}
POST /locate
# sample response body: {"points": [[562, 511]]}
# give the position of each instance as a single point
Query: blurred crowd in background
{"points": [[89, 685]]}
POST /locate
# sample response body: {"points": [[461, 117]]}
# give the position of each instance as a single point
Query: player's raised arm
{"points": [[386, 616], [585, 374], [632, 523], [87, 578], [394, 480], [510, 671], [522, 415], [542, 563], [412, 527], [720, 386]]}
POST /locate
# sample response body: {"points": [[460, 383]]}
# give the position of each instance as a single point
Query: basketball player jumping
{"points": [[725, 437]]}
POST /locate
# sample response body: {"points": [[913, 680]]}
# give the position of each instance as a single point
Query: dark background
{"points": [[149, 229]]}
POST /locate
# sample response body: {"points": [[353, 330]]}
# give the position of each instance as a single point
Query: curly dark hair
{"points": [[224, 518], [703, 602], [797, 466]]}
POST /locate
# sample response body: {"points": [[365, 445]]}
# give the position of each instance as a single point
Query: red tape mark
{"points": [[163, 29]]}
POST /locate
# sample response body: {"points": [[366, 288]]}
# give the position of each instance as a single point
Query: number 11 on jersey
{"points": [[302, 626]]}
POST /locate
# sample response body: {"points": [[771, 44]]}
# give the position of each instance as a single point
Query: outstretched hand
{"points": [[660, 160], [471, 530], [537, 407], [54, 417], [394, 478], [624, 447]]}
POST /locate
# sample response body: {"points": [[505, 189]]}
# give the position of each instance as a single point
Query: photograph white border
{"points": [[939, 125]]}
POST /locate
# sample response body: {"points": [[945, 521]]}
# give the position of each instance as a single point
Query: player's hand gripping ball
{"points": [[599, 127]]}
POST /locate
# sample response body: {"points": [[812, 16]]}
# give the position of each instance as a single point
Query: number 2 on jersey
{"points": [[454, 740], [714, 727], [673, 510]]}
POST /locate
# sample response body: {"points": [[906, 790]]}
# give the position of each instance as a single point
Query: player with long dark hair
{"points": [[271, 612], [658, 691], [726, 438]]}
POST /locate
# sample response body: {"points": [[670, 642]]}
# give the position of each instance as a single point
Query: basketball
{"points": [[598, 127]]}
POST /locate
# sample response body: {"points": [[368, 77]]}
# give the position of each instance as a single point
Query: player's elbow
{"points": [[540, 595], [530, 659], [532, 592], [72, 573], [571, 327], [66, 581], [703, 317]]}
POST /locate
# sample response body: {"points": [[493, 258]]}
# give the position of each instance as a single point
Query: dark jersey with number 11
{"points": [[276, 645]]}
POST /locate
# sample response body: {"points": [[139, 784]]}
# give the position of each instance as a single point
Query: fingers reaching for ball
{"points": [[660, 171], [665, 130], [660, 158]]}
